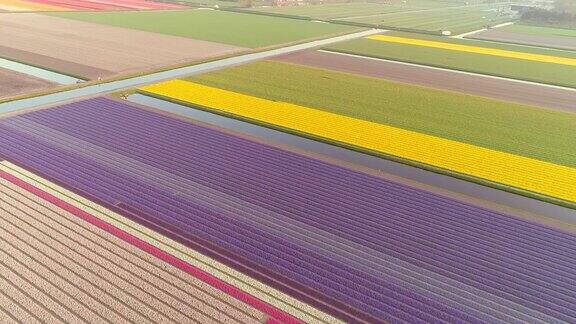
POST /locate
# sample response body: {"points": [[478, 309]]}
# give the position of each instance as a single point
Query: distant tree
{"points": [[566, 7]]}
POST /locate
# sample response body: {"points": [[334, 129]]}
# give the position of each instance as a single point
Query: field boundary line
{"points": [[481, 30], [488, 76]]}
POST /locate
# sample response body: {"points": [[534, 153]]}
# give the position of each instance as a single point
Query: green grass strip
{"points": [[240, 29], [542, 134]]}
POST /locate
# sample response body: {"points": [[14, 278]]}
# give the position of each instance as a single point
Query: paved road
{"points": [[486, 86], [165, 75]]}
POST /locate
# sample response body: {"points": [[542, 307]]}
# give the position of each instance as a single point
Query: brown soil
{"points": [[477, 85], [568, 43], [13, 83], [92, 50]]}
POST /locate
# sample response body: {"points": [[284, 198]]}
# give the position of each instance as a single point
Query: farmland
{"points": [[422, 15], [100, 147], [91, 51], [51, 244], [508, 67], [216, 26], [478, 85], [456, 20], [540, 31], [283, 162], [532, 35], [509, 170], [12, 83], [350, 9], [497, 125], [72, 5]]}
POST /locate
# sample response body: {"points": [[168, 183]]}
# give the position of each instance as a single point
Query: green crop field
{"points": [[519, 129], [351, 9], [540, 31], [478, 63], [238, 29], [457, 20], [424, 15]]}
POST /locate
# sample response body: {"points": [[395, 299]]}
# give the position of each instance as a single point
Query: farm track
{"points": [[485, 86], [442, 259]]}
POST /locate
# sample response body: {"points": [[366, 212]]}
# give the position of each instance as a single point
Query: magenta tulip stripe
{"points": [[358, 247]]}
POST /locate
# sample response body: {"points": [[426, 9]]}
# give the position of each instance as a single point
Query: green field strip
{"points": [[540, 31], [483, 43], [233, 28], [439, 19], [554, 74], [488, 123]]}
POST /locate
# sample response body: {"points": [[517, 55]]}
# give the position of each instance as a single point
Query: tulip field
{"points": [[285, 162], [81, 5], [517, 173], [48, 234], [326, 243], [230, 28], [536, 64], [476, 49]]}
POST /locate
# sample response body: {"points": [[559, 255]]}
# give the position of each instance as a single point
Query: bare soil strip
{"points": [[53, 63], [93, 50], [476, 85], [13, 83], [561, 42]]}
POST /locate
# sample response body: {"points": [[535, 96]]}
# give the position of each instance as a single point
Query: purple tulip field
{"points": [[352, 245]]}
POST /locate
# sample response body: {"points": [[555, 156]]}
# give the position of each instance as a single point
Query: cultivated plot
{"points": [[359, 247], [456, 20], [14, 83], [91, 50], [246, 30], [350, 9], [83, 5], [64, 261], [532, 35], [511, 172], [485, 86], [505, 60], [480, 122]]}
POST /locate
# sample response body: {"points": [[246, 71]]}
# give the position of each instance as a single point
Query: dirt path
{"points": [[13, 83], [89, 50], [508, 90]]}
